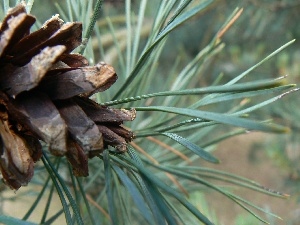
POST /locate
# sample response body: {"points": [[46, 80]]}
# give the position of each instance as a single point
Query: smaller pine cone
{"points": [[44, 96]]}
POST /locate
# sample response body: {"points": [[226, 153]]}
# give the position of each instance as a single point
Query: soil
{"points": [[236, 155], [24, 198]]}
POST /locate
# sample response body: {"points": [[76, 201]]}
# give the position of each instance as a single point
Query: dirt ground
{"points": [[20, 206], [234, 154]]}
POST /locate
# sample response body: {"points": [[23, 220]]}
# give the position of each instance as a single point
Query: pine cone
{"points": [[44, 96]]}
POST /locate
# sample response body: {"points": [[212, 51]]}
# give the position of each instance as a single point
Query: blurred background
{"points": [[265, 25]]}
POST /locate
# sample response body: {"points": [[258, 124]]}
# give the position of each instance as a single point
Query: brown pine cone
{"points": [[44, 96]]}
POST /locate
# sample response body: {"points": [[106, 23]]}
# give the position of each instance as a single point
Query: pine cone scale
{"points": [[68, 35], [80, 126], [13, 12], [18, 79], [44, 96], [20, 26], [111, 138], [122, 132], [74, 60], [77, 81], [15, 162], [38, 37], [77, 158], [102, 114], [38, 114], [9, 36]]}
